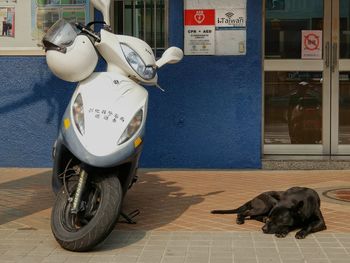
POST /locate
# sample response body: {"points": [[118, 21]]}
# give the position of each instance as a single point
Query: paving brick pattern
{"points": [[175, 224], [179, 247], [182, 200]]}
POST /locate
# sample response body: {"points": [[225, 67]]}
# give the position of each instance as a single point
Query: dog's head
{"points": [[283, 216]]}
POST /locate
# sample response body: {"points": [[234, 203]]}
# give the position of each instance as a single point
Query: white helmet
{"points": [[70, 56]]}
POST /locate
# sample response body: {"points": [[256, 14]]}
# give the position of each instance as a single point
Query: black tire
{"points": [[100, 223]]}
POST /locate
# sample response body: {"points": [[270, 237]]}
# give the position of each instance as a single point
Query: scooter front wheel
{"points": [[97, 216]]}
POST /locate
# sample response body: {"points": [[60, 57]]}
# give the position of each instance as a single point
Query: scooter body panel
{"points": [[110, 102]]}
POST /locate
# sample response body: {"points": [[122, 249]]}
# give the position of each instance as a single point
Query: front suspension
{"points": [[79, 192]]}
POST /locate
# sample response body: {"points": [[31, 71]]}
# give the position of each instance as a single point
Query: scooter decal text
{"points": [[106, 115]]}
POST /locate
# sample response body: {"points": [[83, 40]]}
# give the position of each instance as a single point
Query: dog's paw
{"points": [[239, 221], [281, 234], [301, 234]]}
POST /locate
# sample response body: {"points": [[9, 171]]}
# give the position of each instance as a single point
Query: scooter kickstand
{"points": [[129, 217]]}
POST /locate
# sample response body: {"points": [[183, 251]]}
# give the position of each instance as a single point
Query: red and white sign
{"points": [[204, 17], [215, 27], [200, 32], [311, 44]]}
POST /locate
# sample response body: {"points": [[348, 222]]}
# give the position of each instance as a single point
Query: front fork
{"points": [[79, 192]]}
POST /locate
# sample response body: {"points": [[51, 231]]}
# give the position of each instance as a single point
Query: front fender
{"points": [[64, 159]]}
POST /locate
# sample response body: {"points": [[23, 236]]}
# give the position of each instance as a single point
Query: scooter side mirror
{"points": [[170, 56], [103, 6]]}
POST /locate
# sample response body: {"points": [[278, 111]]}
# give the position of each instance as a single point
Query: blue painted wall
{"points": [[209, 116]]}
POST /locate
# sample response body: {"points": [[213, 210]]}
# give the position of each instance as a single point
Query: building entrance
{"points": [[307, 77]]}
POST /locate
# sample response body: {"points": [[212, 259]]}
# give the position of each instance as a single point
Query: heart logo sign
{"points": [[199, 17]]}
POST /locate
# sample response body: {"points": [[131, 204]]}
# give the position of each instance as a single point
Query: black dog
{"points": [[258, 208], [299, 207]]}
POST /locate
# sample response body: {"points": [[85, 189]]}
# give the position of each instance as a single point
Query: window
{"points": [[145, 19], [284, 21]]}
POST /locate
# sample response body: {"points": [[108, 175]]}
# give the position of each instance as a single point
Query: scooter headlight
{"points": [[132, 128], [136, 62], [78, 114]]}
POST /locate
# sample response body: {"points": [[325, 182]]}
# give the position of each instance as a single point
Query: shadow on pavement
{"points": [[25, 196], [160, 202]]}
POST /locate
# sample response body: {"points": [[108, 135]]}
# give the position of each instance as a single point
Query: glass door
{"points": [[307, 77], [297, 74]]}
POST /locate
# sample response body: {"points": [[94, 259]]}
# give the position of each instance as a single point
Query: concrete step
{"points": [[297, 162]]}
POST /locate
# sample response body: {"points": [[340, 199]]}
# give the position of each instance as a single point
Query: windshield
{"points": [[61, 35]]}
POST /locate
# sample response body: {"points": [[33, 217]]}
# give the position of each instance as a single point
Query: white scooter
{"points": [[99, 143]]}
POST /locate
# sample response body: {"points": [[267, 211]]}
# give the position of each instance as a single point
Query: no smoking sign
{"points": [[312, 41], [311, 44]]}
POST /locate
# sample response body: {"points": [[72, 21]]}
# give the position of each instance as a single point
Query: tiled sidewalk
{"points": [[179, 247], [175, 224]]}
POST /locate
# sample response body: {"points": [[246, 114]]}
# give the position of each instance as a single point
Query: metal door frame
{"points": [[339, 65]]}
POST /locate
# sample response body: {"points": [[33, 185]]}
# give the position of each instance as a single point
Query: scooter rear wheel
{"points": [[101, 204]]}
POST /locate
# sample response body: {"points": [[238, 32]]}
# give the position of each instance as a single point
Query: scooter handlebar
{"points": [[88, 31]]}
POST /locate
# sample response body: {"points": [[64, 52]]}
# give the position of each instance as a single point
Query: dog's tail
{"points": [[232, 211]]}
